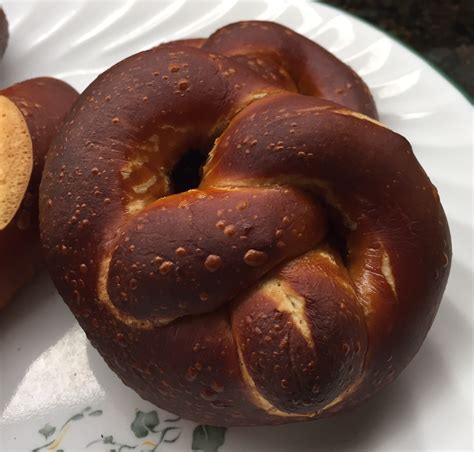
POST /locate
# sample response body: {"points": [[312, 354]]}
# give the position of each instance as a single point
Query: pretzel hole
{"points": [[187, 172], [337, 234], [338, 242]]}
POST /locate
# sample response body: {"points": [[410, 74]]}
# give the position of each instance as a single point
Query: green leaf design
{"points": [[76, 417], [208, 438], [96, 413], [43, 446], [176, 419], [126, 446], [171, 438], [108, 439], [47, 431], [144, 423]]}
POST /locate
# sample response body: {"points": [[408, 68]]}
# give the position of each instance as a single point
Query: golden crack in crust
{"points": [[299, 182], [355, 114], [387, 272], [104, 298], [258, 399], [287, 300]]}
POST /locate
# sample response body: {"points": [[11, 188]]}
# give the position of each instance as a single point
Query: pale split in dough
{"points": [[16, 160]]}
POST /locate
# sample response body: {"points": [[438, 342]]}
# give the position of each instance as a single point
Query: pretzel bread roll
{"points": [[298, 278], [31, 113]]}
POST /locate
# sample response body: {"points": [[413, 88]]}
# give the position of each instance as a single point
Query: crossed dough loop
{"points": [[230, 304]]}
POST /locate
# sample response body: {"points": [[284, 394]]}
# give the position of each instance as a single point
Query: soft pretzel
{"points": [[31, 112], [295, 281]]}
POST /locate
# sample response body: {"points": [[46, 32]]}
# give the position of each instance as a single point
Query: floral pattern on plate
{"points": [[145, 426]]}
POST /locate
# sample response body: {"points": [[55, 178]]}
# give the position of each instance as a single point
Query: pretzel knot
{"points": [[298, 277]]}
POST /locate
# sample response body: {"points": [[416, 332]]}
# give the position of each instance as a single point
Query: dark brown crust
{"points": [[395, 207], [311, 68], [279, 55], [207, 268], [21, 259], [149, 274], [43, 102], [3, 32], [292, 374]]}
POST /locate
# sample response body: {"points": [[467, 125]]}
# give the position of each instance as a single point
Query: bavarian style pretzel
{"points": [[297, 279]]}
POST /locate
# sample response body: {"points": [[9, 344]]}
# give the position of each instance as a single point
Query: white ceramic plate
{"points": [[55, 391]]}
